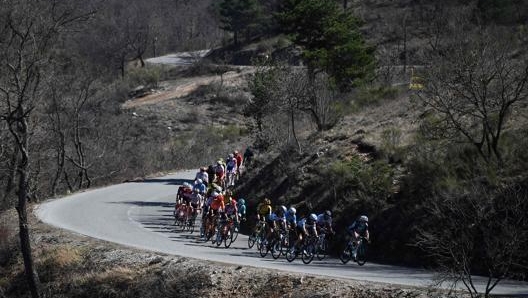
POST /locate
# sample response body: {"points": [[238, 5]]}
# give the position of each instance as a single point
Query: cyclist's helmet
{"points": [[215, 194], [186, 185], [241, 201], [313, 217], [231, 155], [283, 209], [327, 214], [236, 152], [292, 210], [363, 218], [267, 201]]}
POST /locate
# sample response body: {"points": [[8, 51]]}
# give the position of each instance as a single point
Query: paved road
{"points": [[182, 59], [139, 214]]}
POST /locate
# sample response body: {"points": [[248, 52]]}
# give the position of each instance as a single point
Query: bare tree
{"points": [[472, 84], [478, 231], [28, 32]]}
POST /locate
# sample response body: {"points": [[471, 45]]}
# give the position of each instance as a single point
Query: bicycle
{"points": [[273, 245], [361, 251], [306, 249], [322, 246], [209, 227], [257, 236], [309, 249], [181, 216], [230, 179]]}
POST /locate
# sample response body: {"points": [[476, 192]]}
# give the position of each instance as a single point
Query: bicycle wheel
{"points": [[321, 250], [276, 249], [209, 232], [264, 248], [183, 223], [218, 238], [234, 234], [190, 228], [259, 241], [361, 256], [291, 255], [251, 240], [346, 254], [227, 239], [308, 253]]}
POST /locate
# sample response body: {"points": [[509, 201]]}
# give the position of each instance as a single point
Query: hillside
{"points": [[432, 182]]}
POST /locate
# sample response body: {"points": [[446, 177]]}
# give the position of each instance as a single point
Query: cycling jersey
{"points": [[305, 224], [359, 227], [218, 203], [241, 209], [203, 176], [273, 217], [323, 222], [231, 209], [264, 209], [200, 188], [291, 219], [195, 199], [239, 159], [231, 165]]}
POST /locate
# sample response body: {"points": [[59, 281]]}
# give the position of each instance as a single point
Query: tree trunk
{"points": [[23, 190], [292, 118], [13, 164]]}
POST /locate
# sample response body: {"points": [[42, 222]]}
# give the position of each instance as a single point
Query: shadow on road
{"points": [[164, 181], [146, 204]]}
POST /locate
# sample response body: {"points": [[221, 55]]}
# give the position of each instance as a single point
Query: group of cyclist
{"points": [[312, 225], [212, 195]]}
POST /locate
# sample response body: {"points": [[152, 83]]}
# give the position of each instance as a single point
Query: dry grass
{"points": [[60, 257]]}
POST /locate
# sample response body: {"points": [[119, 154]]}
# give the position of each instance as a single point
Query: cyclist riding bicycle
{"points": [[219, 172], [359, 228], [231, 210], [203, 175], [248, 155], [263, 212], [305, 227], [239, 160], [199, 187], [324, 222], [291, 218], [217, 205], [210, 174], [184, 193], [274, 221], [241, 206], [231, 169]]}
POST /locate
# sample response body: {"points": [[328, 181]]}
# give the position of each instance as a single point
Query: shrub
{"points": [[8, 245], [56, 261], [369, 96], [145, 76]]}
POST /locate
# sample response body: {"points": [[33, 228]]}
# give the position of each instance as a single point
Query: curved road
{"points": [[139, 214]]}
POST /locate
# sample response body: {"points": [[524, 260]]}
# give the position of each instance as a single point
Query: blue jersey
{"points": [[291, 218], [200, 188], [359, 227], [241, 209]]}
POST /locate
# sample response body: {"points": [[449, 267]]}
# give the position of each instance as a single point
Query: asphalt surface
{"points": [[181, 59], [140, 214]]}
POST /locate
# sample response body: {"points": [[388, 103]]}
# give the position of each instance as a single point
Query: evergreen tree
{"points": [[330, 39], [239, 16]]}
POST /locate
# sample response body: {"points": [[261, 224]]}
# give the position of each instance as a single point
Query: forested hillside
{"points": [[410, 111]]}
